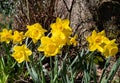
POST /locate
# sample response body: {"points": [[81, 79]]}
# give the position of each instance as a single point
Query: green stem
{"points": [[56, 70], [51, 80], [43, 77]]}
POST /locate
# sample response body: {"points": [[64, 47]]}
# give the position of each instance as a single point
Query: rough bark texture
{"points": [[84, 15]]}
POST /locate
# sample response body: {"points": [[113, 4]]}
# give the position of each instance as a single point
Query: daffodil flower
{"points": [[95, 40], [110, 49], [60, 38], [5, 36], [35, 32], [21, 53], [17, 37], [49, 47], [61, 26]]}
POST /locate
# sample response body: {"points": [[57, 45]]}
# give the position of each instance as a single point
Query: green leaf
{"points": [[104, 69], [33, 73], [113, 70]]}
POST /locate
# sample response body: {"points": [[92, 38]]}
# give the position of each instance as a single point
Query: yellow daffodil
{"points": [[73, 41], [95, 40], [110, 49], [60, 38], [5, 36], [21, 53], [49, 47], [98, 41], [17, 37], [61, 32], [35, 32], [61, 26]]}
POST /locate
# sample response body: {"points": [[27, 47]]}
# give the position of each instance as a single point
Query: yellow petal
{"points": [[94, 33], [100, 49], [102, 33], [93, 47]]}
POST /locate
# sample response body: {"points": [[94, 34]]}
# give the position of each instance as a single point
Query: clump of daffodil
{"points": [[17, 37], [61, 32], [5, 36], [21, 53], [35, 32], [99, 41]]}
